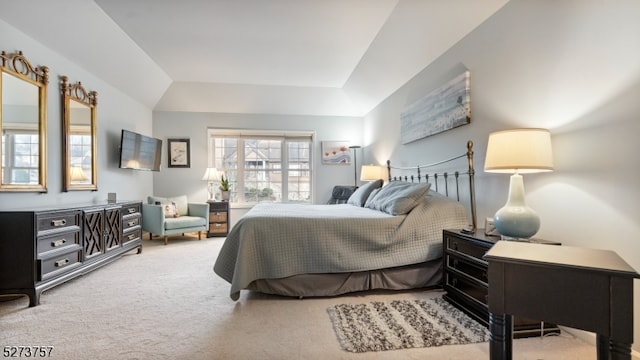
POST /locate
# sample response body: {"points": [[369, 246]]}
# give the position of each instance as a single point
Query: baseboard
{"points": [[590, 338]]}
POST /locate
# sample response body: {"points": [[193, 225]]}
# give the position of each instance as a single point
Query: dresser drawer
{"points": [[130, 222], [466, 288], [132, 234], [467, 248], [472, 270], [59, 263], [130, 209], [58, 241], [57, 221], [215, 228], [218, 216]]}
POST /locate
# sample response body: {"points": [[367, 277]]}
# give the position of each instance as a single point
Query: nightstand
{"points": [[465, 279], [218, 218]]}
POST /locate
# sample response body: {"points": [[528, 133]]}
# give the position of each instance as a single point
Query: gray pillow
{"points": [[372, 196], [398, 198], [360, 196]]}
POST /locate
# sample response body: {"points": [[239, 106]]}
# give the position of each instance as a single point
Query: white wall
{"points": [[115, 111], [570, 66], [174, 181]]}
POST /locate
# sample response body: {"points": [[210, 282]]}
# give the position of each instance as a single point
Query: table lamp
{"points": [[372, 172], [518, 151], [210, 176]]}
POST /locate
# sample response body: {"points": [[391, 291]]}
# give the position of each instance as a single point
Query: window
{"points": [[264, 166], [20, 157]]}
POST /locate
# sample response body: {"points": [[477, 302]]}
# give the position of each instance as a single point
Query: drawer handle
{"points": [[217, 225], [131, 210], [61, 222], [455, 263], [58, 242], [61, 263], [131, 223], [132, 236], [218, 213], [454, 282]]}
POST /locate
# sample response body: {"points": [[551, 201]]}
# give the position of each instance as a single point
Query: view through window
{"points": [[264, 166]]}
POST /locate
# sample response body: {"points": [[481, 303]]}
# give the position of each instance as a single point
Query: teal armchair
{"points": [[158, 216]]}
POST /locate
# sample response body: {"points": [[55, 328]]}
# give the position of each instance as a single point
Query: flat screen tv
{"points": [[140, 152]]}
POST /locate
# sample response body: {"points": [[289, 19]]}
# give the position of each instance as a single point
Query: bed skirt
{"points": [[423, 275]]}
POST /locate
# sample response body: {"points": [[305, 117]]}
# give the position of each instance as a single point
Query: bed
{"points": [[387, 237]]}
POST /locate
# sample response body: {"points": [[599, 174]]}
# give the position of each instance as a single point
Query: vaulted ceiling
{"points": [[311, 57]]}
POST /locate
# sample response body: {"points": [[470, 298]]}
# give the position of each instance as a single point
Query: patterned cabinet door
{"points": [[113, 228], [93, 227]]}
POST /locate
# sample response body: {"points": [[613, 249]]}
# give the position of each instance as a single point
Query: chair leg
{"points": [[199, 235], [150, 236], [166, 239]]}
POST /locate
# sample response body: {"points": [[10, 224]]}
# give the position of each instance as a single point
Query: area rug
{"points": [[402, 324]]}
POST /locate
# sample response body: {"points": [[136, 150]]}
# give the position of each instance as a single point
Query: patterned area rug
{"points": [[402, 324]]}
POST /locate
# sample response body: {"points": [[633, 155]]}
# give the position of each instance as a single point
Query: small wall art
{"points": [[179, 153], [336, 153], [444, 108]]}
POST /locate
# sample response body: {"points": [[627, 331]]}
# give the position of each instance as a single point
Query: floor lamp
{"points": [[355, 164]]}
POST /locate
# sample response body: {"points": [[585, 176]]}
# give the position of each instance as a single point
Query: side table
{"points": [[583, 288], [218, 218]]}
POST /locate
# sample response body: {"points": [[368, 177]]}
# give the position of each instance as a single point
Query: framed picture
{"points": [[445, 108], [179, 153], [336, 153]]}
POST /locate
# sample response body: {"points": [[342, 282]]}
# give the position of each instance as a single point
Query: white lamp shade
{"points": [[519, 150], [372, 172], [76, 174], [211, 174]]}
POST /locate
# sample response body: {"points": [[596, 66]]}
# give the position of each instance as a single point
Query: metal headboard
{"points": [[419, 177]]}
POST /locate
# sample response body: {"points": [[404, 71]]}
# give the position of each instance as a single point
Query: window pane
{"points": [[260, 158], [299, 176], [258, 170], [225, 159], [260, 185]]}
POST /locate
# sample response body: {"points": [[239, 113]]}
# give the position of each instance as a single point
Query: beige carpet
{"points": [[168, 304]]}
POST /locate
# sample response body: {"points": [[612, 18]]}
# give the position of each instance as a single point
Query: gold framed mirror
{"points": [[23, 124], [79, 108]]}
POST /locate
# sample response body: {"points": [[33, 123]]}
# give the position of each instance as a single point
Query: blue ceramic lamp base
{"points": [[515, 220]]}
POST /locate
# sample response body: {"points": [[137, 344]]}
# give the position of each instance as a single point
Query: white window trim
{"points": [[290, 135]]}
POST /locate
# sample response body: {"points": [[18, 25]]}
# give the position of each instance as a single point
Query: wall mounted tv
{"points": [[140, 152]]}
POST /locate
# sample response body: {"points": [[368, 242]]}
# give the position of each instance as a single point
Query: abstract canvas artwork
{"points": [[444, 108], [336, 152]]}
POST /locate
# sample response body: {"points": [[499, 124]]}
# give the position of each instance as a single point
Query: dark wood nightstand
{"points": [[218, 218], [465, 279]]}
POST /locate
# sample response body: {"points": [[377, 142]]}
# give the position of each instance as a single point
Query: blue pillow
{"points": [[398, 198]]}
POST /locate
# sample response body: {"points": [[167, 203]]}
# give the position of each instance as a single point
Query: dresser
{"points": [[218, 218], [44, 247], [466, 281]]}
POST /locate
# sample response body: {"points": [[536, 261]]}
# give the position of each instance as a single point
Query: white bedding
{"points": [[275, 241]]}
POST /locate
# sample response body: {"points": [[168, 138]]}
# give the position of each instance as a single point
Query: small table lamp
{"points": [[518, 151], [372, 173], [210, 175]]}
